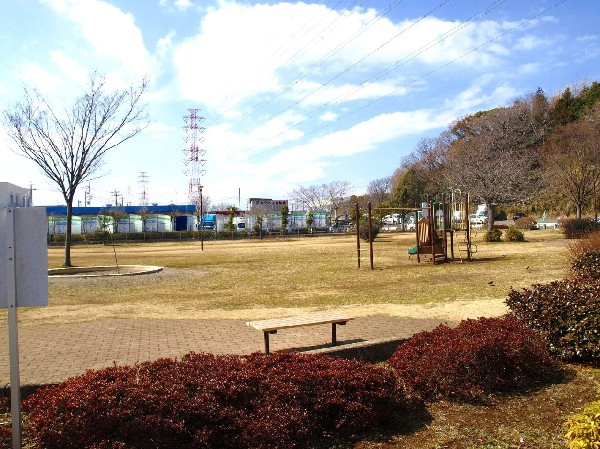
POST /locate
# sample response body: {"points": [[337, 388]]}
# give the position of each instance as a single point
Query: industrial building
{"points": [[14, 196], [159, 218]]}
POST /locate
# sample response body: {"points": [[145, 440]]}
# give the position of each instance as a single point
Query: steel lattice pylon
{"points": [[194, 160]]}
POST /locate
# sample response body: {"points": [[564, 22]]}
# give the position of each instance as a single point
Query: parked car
{"points": [[519, 215]]}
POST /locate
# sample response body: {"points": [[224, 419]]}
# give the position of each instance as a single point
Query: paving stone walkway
{"points": [[53, 353]]}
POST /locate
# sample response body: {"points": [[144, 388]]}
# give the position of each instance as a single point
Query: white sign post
{"points": [[23, 282]]}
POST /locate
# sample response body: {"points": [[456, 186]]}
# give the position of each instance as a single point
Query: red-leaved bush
{"points": [[475, 359], [215, 401], [566, 313], [5, 436], [584, 256]]}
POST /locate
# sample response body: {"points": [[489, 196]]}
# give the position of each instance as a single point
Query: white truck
{"points": [[479, 218]]}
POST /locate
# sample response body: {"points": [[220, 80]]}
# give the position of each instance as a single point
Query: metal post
{"points": [[201, 221], [333, 334], [468, 226], [357, 226], [370, 236], [13, 340]]}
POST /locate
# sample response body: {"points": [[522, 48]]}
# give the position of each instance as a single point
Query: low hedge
{"points": [[576, 228], [566, 313], [215, 401], [495, 235], [364, 231], [476, 359], [512, 234], [584, 256], [525, 223]]}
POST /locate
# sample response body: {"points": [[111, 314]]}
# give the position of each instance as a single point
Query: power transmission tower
{"points": [[194, 159], [143, 181], [87, 197]]}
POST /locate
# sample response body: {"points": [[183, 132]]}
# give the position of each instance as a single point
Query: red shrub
{"points": [[5, 436], [566, 313], [208, 401], [477, 358]]}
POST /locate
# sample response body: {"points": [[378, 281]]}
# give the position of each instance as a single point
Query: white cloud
{"points": [[111, 32], [531, 68], [311, 53], [531, 42], [587, 38], [33, 74], [70, 68], [183, 4], [328, 117], [165, 44]]}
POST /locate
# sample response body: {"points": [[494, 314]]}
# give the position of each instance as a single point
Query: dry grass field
{"points": [[285, 276]]}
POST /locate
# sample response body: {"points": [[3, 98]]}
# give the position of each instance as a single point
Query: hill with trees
{"points": [[536, 154]]}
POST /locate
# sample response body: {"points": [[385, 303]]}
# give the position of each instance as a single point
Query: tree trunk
{"points": [[68, 233], [491, 212]]}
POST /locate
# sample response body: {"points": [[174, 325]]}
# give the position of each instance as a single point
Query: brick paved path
{"points": [[52, 353]]}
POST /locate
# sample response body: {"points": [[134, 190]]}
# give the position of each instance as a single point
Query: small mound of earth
{"points": [[113, 270]]}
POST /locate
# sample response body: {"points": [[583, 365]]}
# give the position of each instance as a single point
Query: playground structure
{"points": [[439, 228]]}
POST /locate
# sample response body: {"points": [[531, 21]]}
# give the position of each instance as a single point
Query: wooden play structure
{"points": [[440, 227]]}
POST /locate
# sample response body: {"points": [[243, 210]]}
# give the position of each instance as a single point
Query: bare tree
{"points": [[203, 206], [422, 171], [327, 197], [572, 161], [257, 216], [379, 190], [495, 157], [69, 145]]}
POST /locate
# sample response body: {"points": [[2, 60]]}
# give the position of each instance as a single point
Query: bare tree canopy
{"points": [[495, 157], [572, 161], [379, 190], [324, 197], [69, 143]]}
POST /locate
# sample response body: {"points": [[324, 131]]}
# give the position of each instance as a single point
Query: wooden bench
{"points": [[272, 326]]}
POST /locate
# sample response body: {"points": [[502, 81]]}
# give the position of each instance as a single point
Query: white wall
{"points": [[14, 196]]}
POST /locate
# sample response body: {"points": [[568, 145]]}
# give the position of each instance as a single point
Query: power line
{"points": [[301, 100], [294, 37], [311, 68], [405, 85]]}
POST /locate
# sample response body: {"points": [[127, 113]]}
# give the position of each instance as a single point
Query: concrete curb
{"points": [[369, 351]]}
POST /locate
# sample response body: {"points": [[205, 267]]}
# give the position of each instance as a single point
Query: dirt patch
{"points": [[113, 270]]}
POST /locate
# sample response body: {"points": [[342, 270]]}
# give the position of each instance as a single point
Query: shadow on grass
{"points": [[408, 420], [562, 375]]}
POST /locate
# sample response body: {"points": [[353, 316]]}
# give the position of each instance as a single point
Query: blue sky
{"points": [[291, 93]]}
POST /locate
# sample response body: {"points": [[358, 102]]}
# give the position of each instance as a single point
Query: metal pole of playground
{"points": [[370, 236], [357, 228], [468, 227]]}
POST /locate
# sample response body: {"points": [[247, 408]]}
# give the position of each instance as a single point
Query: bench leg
{"points": [[334, 332], [266, 337]]}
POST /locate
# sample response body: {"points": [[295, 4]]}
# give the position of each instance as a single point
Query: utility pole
{"points": [[201, 220], [116, 193], [31, 189]]}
